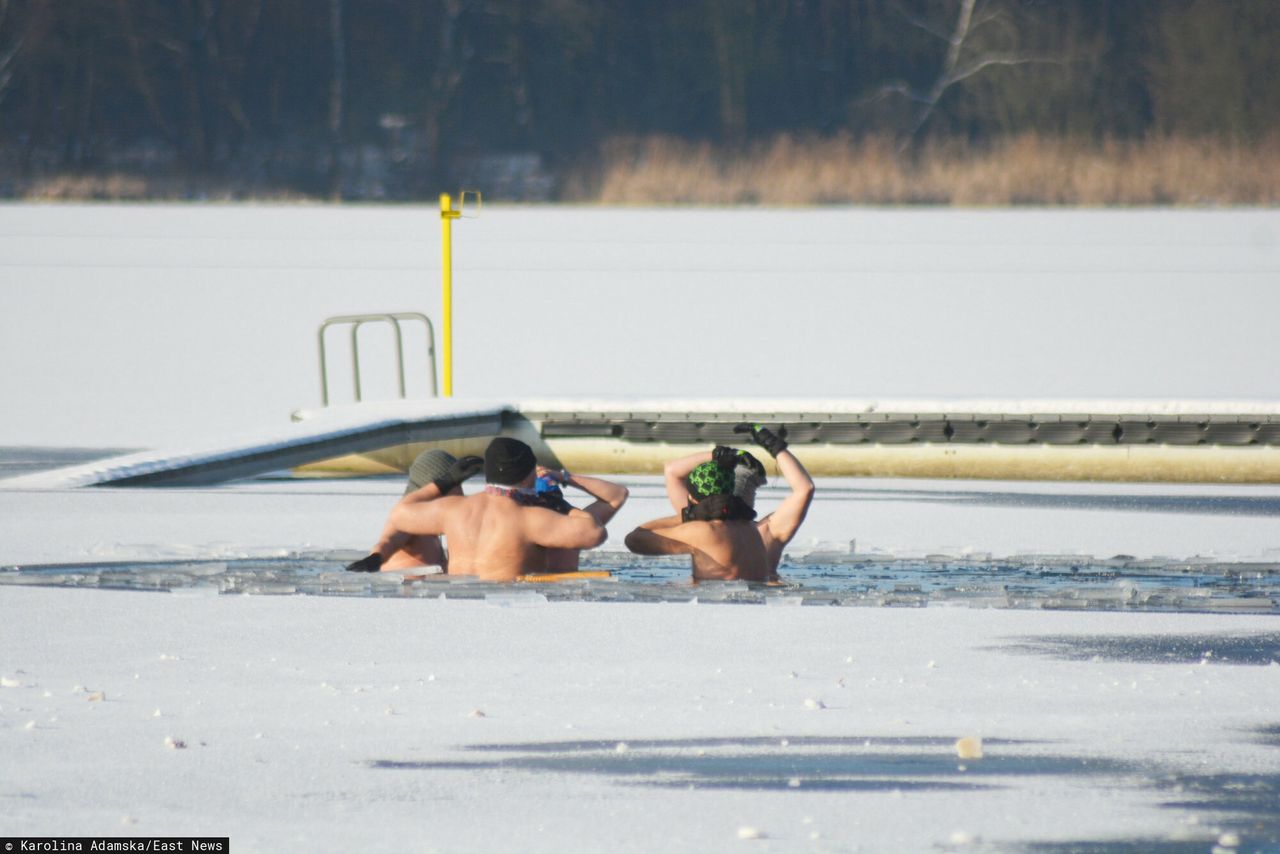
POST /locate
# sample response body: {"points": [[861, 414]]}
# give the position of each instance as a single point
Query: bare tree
{"points": [[19, 34], [730, 23], [337, 84], [138, 71], [7, 53], [205, 42], [449, 61], [961, 61]]}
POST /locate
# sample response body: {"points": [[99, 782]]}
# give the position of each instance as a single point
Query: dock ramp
{"points": [[1192, 441]]}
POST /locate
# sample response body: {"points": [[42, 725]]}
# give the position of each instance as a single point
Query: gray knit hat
{"points": [[427, 467], [745, 484]]}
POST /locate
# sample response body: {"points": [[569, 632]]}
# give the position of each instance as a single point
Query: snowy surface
{"points": [[334, 724], [898, 517], [152, 326], [382, 725]]}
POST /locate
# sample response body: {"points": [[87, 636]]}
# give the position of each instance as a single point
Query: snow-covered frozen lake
{"points": [[136, 326], [153, 326], [511, 723]]}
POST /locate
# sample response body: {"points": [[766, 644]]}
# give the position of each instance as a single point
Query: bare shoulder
{"points": [[541, 516], [424, 517], [450, 504], [692, 533]]}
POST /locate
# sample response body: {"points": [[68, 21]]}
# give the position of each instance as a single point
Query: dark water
{"points": [[819, 578], [15, 461], [805, 765]]}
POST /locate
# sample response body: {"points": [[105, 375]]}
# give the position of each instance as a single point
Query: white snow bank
{"points": [[375, 725]]}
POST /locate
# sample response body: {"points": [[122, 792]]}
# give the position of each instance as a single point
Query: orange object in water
{"points": [[564, 576]]}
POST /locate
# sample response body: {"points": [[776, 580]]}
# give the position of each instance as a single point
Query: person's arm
{"points": [[675, 473], [410, 506], [664, 522], [646, 540], [572, 531], [429, 492], [389, 542], [423, 517], [609, 497], [392, 539], [785, 521]]}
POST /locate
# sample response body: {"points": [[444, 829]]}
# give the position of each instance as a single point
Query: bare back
{"points": [[496, 539], [418, 551], [726, 551]]}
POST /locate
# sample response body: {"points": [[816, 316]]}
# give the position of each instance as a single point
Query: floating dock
{"points": [[1173, 441]]}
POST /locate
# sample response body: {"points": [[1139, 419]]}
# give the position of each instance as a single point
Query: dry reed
{"points": [[1032, 170], [128, 187]]}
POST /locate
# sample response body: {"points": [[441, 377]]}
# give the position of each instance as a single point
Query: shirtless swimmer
{"points": [[433, 474], [717, 527], [491, 535]]}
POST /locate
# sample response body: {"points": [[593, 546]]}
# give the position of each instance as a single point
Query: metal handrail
{"points": [[358, 320]]}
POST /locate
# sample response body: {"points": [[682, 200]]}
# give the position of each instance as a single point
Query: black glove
{"points": [[710, 509], [725, 457], [372, 563], [458, 472], [774, 443]]}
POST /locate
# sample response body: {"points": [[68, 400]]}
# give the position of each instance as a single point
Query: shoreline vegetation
{"points": [[1021, 170], [699, 102], [1029, 169]]}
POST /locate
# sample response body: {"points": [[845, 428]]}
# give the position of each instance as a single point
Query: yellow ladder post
{"points": [[447, 216]]}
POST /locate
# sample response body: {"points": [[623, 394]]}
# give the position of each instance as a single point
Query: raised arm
{"points": [[423, 517], [675, 473], [551, 530], [392, 539], [430, 492], [419, 509], [785, 521], [609, 497]]}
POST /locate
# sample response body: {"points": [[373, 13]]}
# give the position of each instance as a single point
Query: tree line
{"points": [[394, 97]]}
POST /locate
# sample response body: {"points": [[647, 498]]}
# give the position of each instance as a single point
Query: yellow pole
{"points": [[447, 216]]}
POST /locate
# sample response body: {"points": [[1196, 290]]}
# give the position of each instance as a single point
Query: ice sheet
{"points": [[148, 326], [333, 724], [520, 722]]}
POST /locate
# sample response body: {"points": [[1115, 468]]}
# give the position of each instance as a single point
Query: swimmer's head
{"points": [[509, 462], [428, 467], [710, 479]]}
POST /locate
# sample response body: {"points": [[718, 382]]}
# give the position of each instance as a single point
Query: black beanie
{"points": [[508, 461]]}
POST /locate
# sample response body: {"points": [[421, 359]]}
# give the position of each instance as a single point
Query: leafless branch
{"points": [[7, 55], [984, 17], [140, 78], [920, 23], [971, 15], [893, 87], [980, 63]]}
